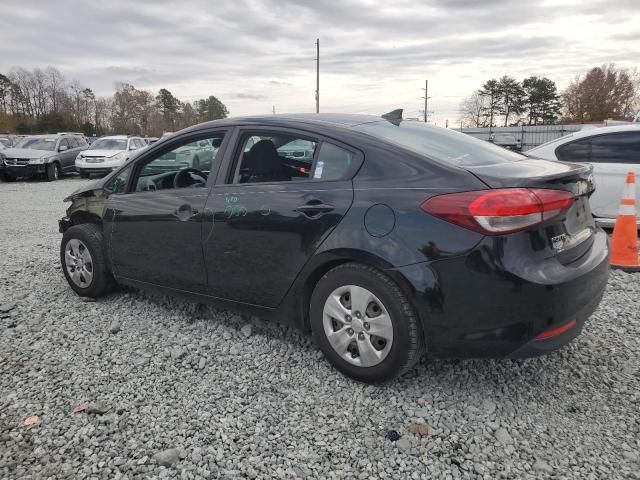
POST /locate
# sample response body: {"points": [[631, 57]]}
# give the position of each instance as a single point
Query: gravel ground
{"points": [[179, 390]]}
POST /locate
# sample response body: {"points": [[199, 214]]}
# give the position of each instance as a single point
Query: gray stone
{"points": [[542, 466], [7, 307], [247, 330], [166, 458], [115, 327], [503, 436]]}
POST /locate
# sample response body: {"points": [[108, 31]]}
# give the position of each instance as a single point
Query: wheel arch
{"points": [[327, 261], [82, 216]]}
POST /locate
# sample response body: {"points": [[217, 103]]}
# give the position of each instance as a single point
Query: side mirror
{"points": [[62, 148]]}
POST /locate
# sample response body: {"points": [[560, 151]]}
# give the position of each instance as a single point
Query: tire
{"points": [[84, 175], [7, 178], [53, 172], [97, 277], [396, 355]]}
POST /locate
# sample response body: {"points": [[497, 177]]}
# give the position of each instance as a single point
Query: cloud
{"points": [[254, 54]]}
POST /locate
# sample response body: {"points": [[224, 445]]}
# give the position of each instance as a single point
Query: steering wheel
{"points": [[186, 178]]}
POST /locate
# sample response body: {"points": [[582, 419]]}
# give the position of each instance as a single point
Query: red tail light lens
{"points": [[500, 211]]}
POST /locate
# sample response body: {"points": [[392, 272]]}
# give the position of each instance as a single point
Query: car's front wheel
{"points": [[364, 323], [83, 261], [53, 172]]}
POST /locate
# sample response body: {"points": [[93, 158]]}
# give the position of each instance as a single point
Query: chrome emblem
{"points": [[558, 241]]}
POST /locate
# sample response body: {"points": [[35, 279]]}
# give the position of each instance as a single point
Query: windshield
{"points": [[37, 143], [109, 144], [440, 144]]}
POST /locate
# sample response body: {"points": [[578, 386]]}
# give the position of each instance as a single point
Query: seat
{"points": [[264, 164]]}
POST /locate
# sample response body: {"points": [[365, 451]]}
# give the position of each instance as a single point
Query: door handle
{"points": [[314, 209], [185, 212]]}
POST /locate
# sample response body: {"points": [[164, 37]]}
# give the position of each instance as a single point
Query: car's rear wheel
{"points": [[364, 324], [83, 261], [53, 172]]}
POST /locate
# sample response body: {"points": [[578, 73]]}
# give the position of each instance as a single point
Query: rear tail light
{"points": [[500, 211]]}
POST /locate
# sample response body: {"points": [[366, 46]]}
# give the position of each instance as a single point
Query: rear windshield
{"points": [[440, 144]]}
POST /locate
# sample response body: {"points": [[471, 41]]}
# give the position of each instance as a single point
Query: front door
{"points": [[156, 225], [283, 196]]}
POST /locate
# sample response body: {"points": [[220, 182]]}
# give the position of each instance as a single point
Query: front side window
{"points": [[275, 157], [186, 165], [64, 143], [616, 148], [118, 184]]}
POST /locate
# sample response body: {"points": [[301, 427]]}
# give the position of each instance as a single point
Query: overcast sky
{"points": [[374, 55]]}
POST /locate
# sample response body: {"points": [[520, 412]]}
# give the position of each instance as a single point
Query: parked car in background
{"points": [[506, 140], [8, 140], [107, 154], [150, 140], [48, 155], [399, 237], [613, 151], [198, 155]]}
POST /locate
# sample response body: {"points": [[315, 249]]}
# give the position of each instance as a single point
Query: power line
{"points": [[317, 75]]}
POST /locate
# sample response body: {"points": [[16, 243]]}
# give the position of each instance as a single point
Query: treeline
{"points": [[602, 93], [43, 101]]}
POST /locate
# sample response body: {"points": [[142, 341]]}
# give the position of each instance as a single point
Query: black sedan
{"points": [[390, 239]]}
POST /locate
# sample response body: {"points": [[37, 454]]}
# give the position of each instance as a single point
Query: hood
{"points": [[94, 188], [100, 153], [27, 153]]}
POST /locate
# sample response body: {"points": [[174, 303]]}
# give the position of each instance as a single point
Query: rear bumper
{"points": [[484, 304]]}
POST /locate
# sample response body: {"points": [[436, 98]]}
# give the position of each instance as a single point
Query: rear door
{"points": [[612, 156], [282, 195]]}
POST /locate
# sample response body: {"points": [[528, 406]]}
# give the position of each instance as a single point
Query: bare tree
{"points": [[473, 111]]}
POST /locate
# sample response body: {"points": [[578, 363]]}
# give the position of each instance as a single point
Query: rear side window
{"points": [[608, 148], [333, 162], [578, 151], [616, 148], [440, 144]]}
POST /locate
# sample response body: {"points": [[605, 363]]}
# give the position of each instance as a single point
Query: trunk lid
{"points": [[568, 235]]}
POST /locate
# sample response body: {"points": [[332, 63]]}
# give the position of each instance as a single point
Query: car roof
{"points": [[116, 137], [338, 120], [588, 132]]}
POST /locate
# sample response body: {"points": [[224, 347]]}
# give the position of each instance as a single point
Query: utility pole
{"points": [[317, 75], [447, 124], [274, 109], [426, 98]]}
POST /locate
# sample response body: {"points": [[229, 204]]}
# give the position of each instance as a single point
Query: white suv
{"points": [[107, 154]]}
